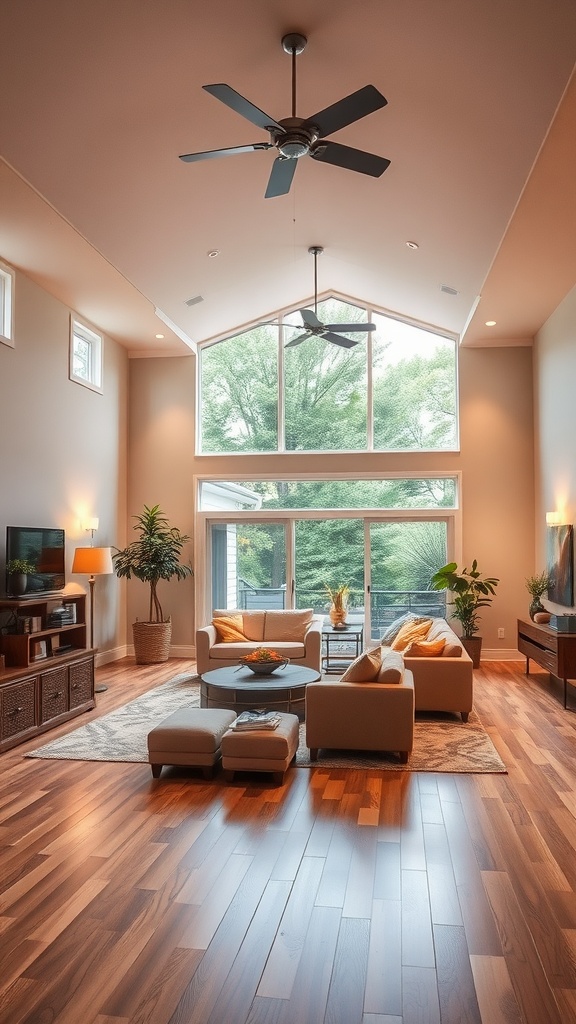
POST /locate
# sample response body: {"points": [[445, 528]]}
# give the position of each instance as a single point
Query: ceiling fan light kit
{"points": [[295, 137]]}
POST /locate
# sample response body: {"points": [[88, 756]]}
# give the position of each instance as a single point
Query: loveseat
{"points": [[294, 633]]}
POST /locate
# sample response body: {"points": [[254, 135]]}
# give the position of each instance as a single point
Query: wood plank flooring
{"points": [[342, 897]]}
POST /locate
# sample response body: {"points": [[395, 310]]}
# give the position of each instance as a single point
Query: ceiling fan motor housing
{"points": [[297, 139]]}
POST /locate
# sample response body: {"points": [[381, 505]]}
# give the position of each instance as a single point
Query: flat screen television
{"points": [[43, 548]]}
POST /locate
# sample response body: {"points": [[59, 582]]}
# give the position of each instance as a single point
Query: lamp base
{"points": [[100, 689]]}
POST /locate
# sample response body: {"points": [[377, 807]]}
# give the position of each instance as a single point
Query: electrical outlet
{"points": [[501, 633]]}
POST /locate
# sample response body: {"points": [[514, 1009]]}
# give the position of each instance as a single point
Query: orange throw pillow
{"points": [[425, 649], [409, 632], [229, 628]]}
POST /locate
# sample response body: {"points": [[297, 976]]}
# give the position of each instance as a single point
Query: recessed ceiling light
{"points": [[213, 253], [490, 323], [159, 336], [412, 245]]}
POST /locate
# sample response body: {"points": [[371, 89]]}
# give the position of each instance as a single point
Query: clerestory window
{"points": [[395, 390], [85, 355]]}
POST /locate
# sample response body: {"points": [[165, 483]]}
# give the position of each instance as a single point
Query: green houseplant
{"points": [[537, 586], [471, 591], [154, 556], [18, 570]]}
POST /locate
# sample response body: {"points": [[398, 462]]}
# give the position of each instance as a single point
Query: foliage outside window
{"points": [[389, 493], [85, 355], [259, 396], [7, 278]]}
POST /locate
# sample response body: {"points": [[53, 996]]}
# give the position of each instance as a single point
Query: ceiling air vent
{"points": [[449, 291], [197, 298]]}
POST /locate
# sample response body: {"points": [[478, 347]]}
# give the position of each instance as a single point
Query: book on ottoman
{"points": [[257, 719]]}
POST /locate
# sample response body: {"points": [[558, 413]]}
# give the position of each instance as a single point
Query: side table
{"points": [[341, 646]]}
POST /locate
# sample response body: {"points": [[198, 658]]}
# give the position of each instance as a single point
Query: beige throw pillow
{"points": [[288, 624], [392, 666], [364, 668]]}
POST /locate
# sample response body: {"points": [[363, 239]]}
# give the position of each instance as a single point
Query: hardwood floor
{"points": [[342, 897]]}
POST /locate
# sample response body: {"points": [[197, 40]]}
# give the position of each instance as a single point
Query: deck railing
{"points": [[385, 605]]}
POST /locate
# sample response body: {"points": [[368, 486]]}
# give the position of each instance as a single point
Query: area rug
{"points": [[442, 743]]}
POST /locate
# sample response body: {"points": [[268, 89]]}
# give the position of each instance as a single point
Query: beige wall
{"points": [[63, 447], [161, 433], [496, 461], [555, 422]]}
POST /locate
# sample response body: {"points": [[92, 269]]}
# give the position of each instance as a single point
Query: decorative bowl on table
{"points": [[263, 661]]}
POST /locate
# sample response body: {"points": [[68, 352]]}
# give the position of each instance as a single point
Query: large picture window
{"points": [[395, 390]]}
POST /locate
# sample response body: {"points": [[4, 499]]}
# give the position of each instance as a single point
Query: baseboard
{"points": [[115, 654], [508, 654]]}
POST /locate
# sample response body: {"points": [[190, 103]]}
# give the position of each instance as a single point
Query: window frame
{"points": [[279, 318], [79, 328], [7, 289]]}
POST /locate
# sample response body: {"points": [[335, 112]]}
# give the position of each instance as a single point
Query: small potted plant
{"points": [[154, 556], [338, 605], [471, 591], [537, 586], [18, 570]]}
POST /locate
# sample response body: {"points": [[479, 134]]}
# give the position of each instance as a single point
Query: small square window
{"points": [[85, 355], [7, 278]]}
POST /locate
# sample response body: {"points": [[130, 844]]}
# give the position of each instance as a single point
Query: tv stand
{"points": [[48, 676]]}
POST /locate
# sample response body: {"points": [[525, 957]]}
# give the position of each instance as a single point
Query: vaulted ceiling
{"points": [[98, 100]]}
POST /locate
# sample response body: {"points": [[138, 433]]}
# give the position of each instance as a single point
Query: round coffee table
{"points": [[240, 689]]}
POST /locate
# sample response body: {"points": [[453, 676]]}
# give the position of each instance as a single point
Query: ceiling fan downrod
{"points": [[316, 251]]}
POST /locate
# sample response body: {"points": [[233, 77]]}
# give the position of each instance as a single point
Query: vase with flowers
{"points": [[338, 610], [537, 586]]}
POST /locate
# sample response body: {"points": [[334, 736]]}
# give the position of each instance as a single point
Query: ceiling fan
{"points": [[312, 326], [294, 137]]}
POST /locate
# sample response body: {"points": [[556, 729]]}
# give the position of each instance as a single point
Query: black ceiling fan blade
{"points": [[351, 108], [350, 328], [226, 94], [280, 178], [336, 339], [350, 159], [297, 341], [211, 154], [309, 318]]}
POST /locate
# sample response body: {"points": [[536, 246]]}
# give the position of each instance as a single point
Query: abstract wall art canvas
{"points": [[560, 564]]}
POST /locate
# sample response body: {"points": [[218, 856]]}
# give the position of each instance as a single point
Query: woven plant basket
{"points": [[151, 641]]}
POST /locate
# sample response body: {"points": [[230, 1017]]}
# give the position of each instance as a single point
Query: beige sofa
{"points": [[443, 683], [295, 634]]}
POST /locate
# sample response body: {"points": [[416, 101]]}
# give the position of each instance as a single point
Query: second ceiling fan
{"points": [[294, 137], [312, 326]]}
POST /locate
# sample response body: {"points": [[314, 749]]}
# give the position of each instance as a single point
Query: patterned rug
{"points": [[442, 743]]}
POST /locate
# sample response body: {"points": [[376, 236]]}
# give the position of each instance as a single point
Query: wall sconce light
{"points": [[554, 519], [90, 525]]}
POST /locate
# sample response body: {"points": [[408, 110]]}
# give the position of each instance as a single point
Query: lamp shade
{"points": [[93, 561]]}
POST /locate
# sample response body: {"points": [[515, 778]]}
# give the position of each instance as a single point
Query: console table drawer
{"points": [[18, 708], [545, 658], [541, 637], [53, 693]]}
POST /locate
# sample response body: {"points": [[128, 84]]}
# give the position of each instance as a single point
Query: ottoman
{"points": [[190, 736], [261, 750]]}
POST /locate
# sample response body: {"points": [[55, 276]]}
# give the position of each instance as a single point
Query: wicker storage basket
{"points": [[151, 641]]}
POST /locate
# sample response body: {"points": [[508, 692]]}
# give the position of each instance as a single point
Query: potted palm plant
{"points": [[154, 556], [471, 591]]}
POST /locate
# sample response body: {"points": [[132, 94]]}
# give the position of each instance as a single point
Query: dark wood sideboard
{"points": [[550, 649]]}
